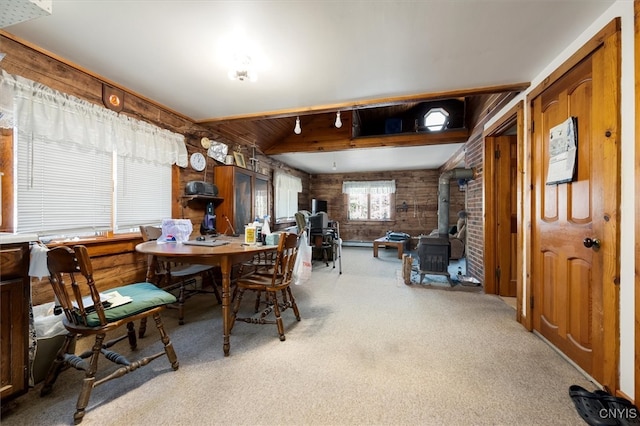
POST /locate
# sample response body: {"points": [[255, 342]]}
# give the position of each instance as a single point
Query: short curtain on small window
{"points": [[287, 188], [369, 200], [369, 187]]}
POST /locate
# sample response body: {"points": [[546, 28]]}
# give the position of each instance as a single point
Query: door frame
{"points": [[514, 116], [636, 20], [608, 117]]}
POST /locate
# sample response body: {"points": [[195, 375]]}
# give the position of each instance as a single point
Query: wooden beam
{"points": [[371, 103], [298, 143]]}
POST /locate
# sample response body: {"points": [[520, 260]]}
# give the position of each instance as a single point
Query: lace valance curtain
{"points": [[287, 182], [369, 187], [43, 112], [286, 189]]}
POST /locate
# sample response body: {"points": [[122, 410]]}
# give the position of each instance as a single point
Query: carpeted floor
{"points": [[369, 350]]}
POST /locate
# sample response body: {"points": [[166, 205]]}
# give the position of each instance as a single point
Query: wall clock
{"points": [[218, 151], [198, 162]]}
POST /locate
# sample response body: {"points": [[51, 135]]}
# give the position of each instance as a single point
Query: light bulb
{"points": [[334, 165], [338, 121], [297, 130]]}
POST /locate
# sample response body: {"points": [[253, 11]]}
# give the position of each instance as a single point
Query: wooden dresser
{"points": [[14, 316]]}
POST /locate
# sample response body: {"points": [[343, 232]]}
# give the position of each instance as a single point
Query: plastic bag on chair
{"points": [[302, 268], [175, 230]]}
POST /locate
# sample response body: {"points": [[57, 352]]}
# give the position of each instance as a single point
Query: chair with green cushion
{"points": [[86, 313]]}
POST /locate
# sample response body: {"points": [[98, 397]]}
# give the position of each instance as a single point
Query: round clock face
{"points": [[198, 162], [218, 151]]}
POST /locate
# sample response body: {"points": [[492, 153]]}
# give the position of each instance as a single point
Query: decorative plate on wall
{"points": [[205, 142], [113, 98]]}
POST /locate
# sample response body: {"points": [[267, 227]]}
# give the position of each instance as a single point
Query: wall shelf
{"points": [[185, 199]]}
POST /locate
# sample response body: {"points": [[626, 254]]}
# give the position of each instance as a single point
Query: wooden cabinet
{"points": [[14, 319], [245, 196]]}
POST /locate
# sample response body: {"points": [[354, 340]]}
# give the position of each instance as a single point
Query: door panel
{"points": [[512, 277], [562, 264], [574, 289], [505, 210]]}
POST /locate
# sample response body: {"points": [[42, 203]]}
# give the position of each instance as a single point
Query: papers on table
{"points": [[109, 299], [206, 243]]}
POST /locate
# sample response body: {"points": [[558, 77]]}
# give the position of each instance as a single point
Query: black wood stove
{"points": [[433, 253]]}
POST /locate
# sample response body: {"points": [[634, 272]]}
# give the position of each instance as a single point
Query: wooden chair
{"points": [[71, 276], [276, 286], [171, 274]]}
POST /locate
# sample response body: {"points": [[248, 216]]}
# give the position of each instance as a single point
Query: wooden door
{"points": [[574, 290], [505, 209]]}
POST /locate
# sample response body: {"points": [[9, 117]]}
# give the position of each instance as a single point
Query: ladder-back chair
{"points": [[86, 314], [276, 286], [171, 275]]}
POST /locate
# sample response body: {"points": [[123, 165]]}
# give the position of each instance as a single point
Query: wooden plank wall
{"points": [[418, 188], [115, 260], [120, 264], [115, 263]]}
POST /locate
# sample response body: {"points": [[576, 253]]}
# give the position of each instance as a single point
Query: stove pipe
{"points": [[443, 196]]}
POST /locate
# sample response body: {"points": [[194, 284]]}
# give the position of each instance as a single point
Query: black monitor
{"points": [[318, 222], [318, 206]]}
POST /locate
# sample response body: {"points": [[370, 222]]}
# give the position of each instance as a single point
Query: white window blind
{"points": [[69, 154], [143, 193], [286, 188], [62, 187]]}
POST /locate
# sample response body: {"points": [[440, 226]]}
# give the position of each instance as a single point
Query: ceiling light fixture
{"points": [[334, 166], [297, 130], [338, 122], [242, 69]]}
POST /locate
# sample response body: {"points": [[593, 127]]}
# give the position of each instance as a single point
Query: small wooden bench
{"points": [[383, 241]]}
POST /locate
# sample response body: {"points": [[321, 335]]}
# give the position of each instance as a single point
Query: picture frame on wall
{"points": [[239, 157]]}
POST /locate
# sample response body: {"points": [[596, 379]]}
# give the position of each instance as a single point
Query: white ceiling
{"points": [[314, 52], [371, 160]]}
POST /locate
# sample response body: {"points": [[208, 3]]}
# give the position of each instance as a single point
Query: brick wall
{"points": [[475, 219]]}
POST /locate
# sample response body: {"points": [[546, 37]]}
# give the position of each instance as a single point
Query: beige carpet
{"points": [[368, 351]]}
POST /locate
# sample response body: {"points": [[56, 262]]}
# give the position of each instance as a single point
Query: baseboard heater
{"points": [[354, 243]]}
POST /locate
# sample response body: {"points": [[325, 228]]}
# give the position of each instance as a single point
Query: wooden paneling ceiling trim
{"points": [[310, 144], [370, 103]]}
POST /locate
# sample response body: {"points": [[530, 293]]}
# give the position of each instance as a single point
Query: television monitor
{"points": [[318, 206], [318, 222]]}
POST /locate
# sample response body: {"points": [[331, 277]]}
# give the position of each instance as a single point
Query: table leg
{"points": [[400, 250], [375, 249], [225, 267]]}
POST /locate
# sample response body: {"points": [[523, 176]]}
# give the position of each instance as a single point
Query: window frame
{"points": [[36, 118], [111, 199], [364, 188], [438, 110]]}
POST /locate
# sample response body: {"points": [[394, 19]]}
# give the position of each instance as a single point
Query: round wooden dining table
{"points": [[233, 252]]}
